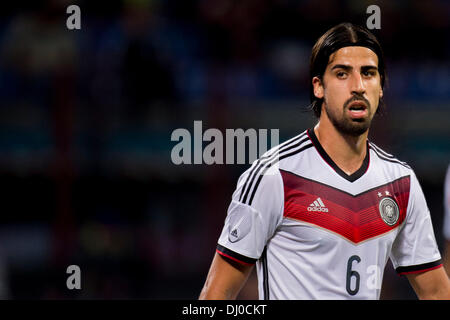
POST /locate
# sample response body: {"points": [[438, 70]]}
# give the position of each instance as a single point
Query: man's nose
{"points": [[357, 84]]}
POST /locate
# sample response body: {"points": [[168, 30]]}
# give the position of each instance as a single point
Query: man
{"points": [[322, 213], [446, 228]]}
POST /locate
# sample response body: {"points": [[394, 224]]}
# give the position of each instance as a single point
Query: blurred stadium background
{"points": [[86, 118]]}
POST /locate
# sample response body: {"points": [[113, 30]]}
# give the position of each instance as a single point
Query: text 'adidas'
{"points": [[318, 205]]}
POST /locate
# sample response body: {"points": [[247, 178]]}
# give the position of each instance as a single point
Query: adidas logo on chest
{"points": [[318, 205]]}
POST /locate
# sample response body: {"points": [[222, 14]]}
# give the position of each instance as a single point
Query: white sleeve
{"points": [[255, 211], [446, 229], [415, 249]]}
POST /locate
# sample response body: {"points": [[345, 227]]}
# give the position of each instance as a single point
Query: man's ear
{"points": [[381, 93], [318, 87]]}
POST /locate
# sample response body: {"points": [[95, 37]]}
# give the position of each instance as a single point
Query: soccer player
{"points": [[447, 221], [321, 214]]}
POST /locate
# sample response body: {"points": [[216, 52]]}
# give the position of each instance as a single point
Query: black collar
{"points": [[355, 175]]}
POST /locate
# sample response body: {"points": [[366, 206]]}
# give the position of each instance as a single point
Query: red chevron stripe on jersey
{"points": [[355, 217]]}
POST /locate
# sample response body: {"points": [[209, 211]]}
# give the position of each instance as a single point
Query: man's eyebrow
{"points": [[342, 66], [349, 68], [369, 67]]}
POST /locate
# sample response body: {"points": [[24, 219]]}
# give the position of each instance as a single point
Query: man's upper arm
{"points": [[255, 211], [225, 279], [252, 220], [415, 249], [446, 227], [432, 284]]}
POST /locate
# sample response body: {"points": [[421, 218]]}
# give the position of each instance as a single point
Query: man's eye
{"points": [[341, 74], [368, 73]]}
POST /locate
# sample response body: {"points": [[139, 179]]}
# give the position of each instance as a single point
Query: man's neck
{"points": [[348, 152]]}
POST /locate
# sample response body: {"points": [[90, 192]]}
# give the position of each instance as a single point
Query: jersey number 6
{"points": [[352, 274]]}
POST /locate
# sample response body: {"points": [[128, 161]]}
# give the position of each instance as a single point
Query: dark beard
{"points": [[350, 127], [347, 126]]}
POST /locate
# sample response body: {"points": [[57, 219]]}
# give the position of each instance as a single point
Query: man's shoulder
{"points": [[265, 169], [387, 158], [287, 148]]}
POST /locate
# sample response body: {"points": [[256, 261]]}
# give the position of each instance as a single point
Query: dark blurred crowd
{"points": [[86, 117]]}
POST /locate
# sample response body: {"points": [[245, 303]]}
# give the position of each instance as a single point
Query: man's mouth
{"points": [[357, 109]]}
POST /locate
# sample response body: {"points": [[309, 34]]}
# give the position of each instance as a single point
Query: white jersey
{"points": [[447, 205], [317, 233]]}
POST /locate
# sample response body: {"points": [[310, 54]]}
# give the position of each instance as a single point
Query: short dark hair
{"points": [[343, 35]]}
